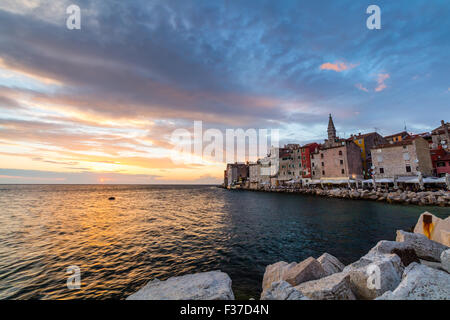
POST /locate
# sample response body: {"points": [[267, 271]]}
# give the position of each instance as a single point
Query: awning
{"points": [[434, 180], [337, 181], [384, 180]]}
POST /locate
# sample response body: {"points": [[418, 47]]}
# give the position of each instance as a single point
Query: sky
{"points": [[100, 104]]}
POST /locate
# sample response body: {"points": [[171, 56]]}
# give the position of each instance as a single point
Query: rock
{"points": [[437, 230], [445, 260], [276, 272], [425, 248], [407, 256], [308, 269], [373, 197], [386, 247], [330, 264], [213, 285], [334, 287], [364, 279], [431, 264], [402, 249], [281, 290], [420, 282]]}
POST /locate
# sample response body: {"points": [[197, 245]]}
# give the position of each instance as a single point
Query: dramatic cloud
{"points": [[103, 101]]}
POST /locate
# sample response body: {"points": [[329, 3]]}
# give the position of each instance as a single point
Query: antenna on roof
{"points": [[405, 127], [376, 129]]}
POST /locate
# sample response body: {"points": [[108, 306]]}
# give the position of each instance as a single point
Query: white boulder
{"points": [[276, 272], [334, 287], [445, 260], [308, 269], [425, 248], [374, 274], [438, 230], [281, 290], [421, 282], [213, 285], [330, 264]]}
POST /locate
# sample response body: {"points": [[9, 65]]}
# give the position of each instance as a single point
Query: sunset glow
{"points": [[74, 109]]}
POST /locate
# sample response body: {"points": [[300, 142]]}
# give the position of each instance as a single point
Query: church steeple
{"points": [[331, 130]]}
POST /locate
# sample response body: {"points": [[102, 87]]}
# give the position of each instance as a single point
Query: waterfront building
{"points": [[366, 142], [407, 157], [270, 166], [440, 136], [341, 162], [237, 173], [316, 171], [306, 153], [254, 170], [338, 159], [290, 164], [441, 162]]}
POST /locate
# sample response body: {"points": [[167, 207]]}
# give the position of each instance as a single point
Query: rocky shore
{"points": [[413, 267], [424, 198]]}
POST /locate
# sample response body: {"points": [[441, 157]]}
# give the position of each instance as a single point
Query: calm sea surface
{"points": [[163, 231]]}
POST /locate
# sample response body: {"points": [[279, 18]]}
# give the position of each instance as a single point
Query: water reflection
{"points": [[163, 231]]}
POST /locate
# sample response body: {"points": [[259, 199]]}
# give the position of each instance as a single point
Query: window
{"points": [[340, 152], [314, 173], [380, 158], [405, 147], [323, 164], [408, 168], [342, 161], [406, 156], [343, 171], [381, 170], [323, 172], [321, 155], [440, 164]]}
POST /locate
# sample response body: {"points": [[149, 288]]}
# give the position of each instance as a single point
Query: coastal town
{"points": [[404, 162]]}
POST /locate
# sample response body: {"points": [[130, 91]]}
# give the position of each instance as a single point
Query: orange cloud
{"points": [[337, 66], [381, 78]]}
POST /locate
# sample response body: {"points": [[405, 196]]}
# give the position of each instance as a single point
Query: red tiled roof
{"points": [[404, 142]]}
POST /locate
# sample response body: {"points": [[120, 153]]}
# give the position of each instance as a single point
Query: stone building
{"points": [[290, 164], [366, 142], [440, 136], [341, 161], [237, 173], [337, 159], [407, 157], [254, 170], [316, 171], [270, 166]]}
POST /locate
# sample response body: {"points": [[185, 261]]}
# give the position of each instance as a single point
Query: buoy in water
{"points": [[111, 198]]}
